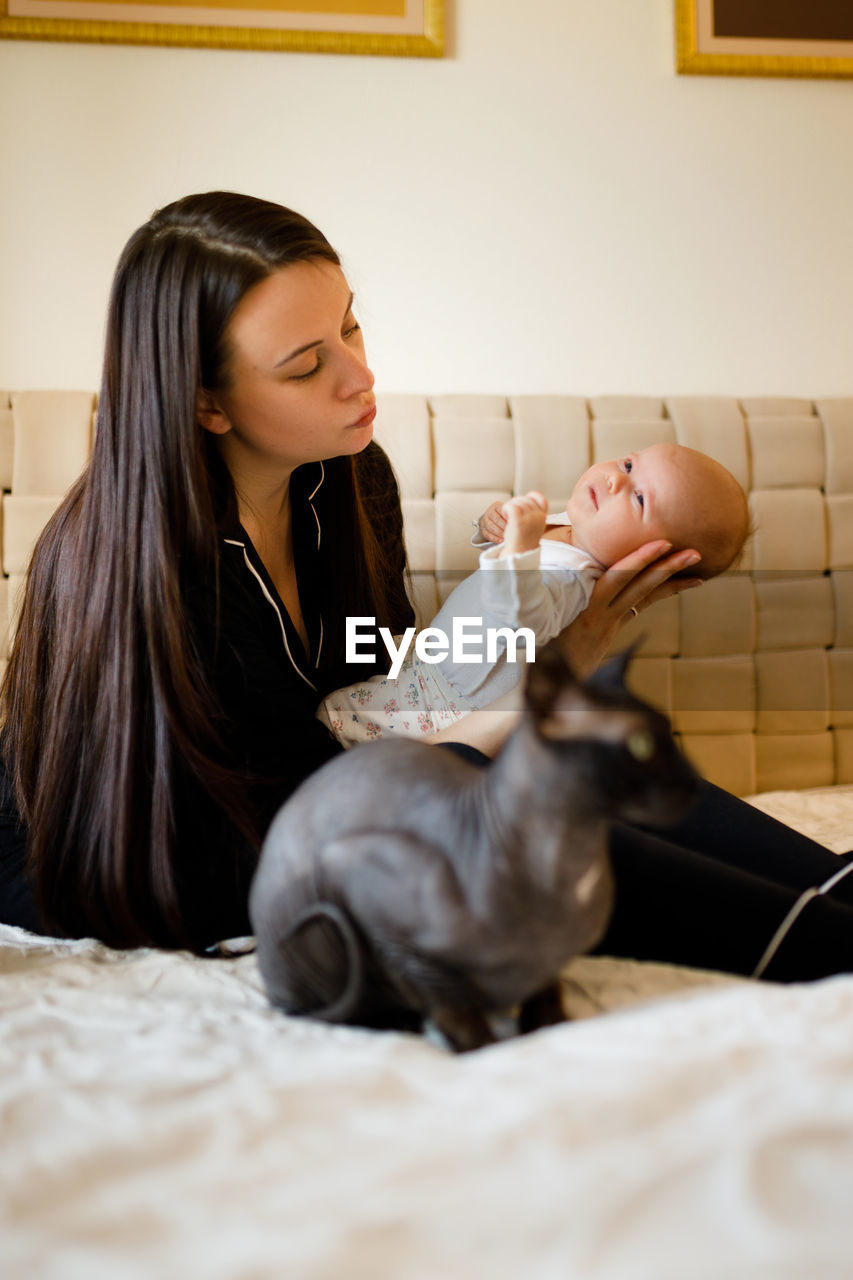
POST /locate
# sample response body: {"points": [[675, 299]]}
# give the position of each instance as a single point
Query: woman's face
{"points": [[299, 389]]}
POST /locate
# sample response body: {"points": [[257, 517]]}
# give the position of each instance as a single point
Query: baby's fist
{"points": [[491, 525], [526, 517]]}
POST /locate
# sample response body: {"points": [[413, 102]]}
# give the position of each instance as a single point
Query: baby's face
{"points": [[661, 492]]}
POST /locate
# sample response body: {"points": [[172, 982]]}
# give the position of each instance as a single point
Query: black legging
{"points": [[712, 891], [709, 893]]}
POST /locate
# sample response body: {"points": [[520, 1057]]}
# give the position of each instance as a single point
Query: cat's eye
{"points": [[641, 745]]}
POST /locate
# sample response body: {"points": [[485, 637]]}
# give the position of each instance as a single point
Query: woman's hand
{"points": [[624, 590]]}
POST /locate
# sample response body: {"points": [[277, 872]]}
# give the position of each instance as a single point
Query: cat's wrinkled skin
{"points": [[401, 882]]}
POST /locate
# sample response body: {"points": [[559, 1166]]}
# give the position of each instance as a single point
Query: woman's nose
{"points": [[356, 377]]}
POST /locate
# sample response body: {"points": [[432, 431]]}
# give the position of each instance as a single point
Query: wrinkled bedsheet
{"points": [[160, 1120]]}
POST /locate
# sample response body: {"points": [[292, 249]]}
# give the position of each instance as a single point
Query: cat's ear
{"points": [[611, 674], [548, 678]]}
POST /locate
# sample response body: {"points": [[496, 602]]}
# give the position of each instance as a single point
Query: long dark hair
{"points": [[105, 701]]}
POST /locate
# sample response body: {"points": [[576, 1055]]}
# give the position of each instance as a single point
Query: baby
{"points": [[540, 577]]}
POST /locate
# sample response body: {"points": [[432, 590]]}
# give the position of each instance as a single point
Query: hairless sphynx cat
{"points": [[402, 883]]}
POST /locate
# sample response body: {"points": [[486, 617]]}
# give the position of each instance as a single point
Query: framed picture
{"points": [[764, 37], [413, 28]]}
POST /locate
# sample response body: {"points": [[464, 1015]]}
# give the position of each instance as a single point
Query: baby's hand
{"points": [[491, 525], [526, 517]]}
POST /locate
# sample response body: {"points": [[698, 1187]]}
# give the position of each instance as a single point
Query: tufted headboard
{"points": [[755, 668]]}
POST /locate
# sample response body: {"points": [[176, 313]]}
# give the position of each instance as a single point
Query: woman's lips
{"points": [[366, 420]]}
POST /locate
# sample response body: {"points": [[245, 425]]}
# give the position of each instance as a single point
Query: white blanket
{"points": [[159, 1120]]}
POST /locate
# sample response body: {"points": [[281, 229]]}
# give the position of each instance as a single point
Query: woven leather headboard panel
{"points": [[755, 668]]}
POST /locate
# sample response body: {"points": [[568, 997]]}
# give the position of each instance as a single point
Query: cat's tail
{"points": [[315, 966]]}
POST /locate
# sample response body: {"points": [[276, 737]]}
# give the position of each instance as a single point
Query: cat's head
{"points": [[618, 746]]}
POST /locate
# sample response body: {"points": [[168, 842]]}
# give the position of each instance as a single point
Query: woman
{"points": [[184, 614], [159, 700]]}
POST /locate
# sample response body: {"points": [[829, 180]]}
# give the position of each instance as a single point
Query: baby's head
{"points": [[666, 491]]}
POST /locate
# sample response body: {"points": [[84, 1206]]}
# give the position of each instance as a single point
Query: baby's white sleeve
{"points": [[517, 592]]}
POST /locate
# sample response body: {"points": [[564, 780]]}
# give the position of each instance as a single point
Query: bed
{"points": [[160, 1119]]}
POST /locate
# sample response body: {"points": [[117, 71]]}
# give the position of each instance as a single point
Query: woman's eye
{"points": [[354, 328], [303, 377]]}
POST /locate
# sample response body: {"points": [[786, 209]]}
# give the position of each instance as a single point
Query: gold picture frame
{"points": [[811, 38], [404, 28]]}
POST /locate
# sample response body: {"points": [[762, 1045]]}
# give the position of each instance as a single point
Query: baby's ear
{"points": [[547, 678]]}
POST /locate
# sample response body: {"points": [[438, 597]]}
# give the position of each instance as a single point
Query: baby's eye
{"points": [[629, 466], [638, 495]]}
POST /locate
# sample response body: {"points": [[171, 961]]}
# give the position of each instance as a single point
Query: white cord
{"points": [[785, 927]]}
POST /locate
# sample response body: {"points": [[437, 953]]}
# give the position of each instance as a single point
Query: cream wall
{"points": [[549, 208]]}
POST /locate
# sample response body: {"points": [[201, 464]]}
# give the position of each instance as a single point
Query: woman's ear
{"points": [[209, 415]]}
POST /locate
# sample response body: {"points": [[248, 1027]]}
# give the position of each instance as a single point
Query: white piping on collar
{"points": [[319, 536], [319, 482], [319, 643], [311, 503], [232, 542]]}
